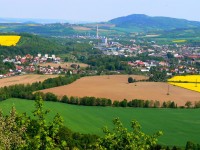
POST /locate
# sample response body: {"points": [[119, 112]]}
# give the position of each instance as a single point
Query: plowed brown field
{"points": [[116, 88], [24, 79]]}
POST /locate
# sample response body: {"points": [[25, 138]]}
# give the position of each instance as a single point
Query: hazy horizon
{"points": [[95, 11]]}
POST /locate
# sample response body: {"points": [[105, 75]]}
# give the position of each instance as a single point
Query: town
{"points": [[175, 59]]}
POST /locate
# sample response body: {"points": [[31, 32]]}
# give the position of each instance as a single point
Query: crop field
{"points": [[24, 79], [9, 40], [191, 82], [116, 88], [178, 125], [179, 41], [64, 65], [187, 78], [189, 86]]}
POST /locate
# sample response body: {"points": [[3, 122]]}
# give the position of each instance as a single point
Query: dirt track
{"points": [[24, 79], [117, 88]]}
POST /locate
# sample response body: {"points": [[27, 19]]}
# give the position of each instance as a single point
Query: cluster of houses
{"points": [[179, 52], [30, 64], [144, 66], [20, 60]]}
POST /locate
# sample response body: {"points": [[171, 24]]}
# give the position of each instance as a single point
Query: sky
{"points": [[98, 10]]}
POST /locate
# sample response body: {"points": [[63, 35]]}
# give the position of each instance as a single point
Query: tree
{"points": [[157, 75], [45, 134], [51, 97], [65, 99], [11, 134], [197, 104], [190, 146], [188, 104], [131, 80], [123, 103], [120, 138]]}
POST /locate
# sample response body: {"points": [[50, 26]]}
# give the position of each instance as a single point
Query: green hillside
{"points": [[189, 35], [147, 23], [178, 125], [32, 44], [56, 29]]}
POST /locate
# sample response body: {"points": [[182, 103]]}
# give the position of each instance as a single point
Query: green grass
{"points": [[178, 125]]}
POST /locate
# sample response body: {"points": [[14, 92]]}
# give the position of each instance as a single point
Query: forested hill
{"points": [[54, 29], [145, 22], [32, 44]]}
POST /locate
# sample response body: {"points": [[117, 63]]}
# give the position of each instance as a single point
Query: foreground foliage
{"points": [[11, 133], [120, 138], [23, 132]]}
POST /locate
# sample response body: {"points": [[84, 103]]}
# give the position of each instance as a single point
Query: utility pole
{"points": [[97, 32]]}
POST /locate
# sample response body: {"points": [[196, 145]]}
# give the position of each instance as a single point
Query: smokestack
{"points": [[97, 31]]}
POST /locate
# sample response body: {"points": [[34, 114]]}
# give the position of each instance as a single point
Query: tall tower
{"points": [[97, 31]]}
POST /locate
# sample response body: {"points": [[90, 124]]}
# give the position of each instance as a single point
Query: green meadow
{"points": [[178, 125]]}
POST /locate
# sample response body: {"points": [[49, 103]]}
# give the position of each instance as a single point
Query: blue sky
{"points": [[98, 10]]}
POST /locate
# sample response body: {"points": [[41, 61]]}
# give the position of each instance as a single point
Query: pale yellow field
{"points": [[9, 40], [24, 79]]}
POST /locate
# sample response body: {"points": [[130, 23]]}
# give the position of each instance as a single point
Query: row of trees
{"points": [[93, 101], [190, 104]]}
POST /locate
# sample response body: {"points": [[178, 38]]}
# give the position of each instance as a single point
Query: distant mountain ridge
{"points": [[27, 20], [40, 21], [147, 23]]}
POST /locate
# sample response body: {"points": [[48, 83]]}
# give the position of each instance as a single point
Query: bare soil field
{"points": [[116, 88], [64, 65], [24, 79]]}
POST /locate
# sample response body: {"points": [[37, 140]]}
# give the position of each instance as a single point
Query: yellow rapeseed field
{"points": [[192, 82], [189, 86], [9, 40], [187, 78]]}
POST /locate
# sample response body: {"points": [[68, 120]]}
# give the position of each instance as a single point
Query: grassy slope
{"points": [[178, 125]]}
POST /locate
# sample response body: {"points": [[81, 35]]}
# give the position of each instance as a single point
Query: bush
{"points": [[131, 80]]}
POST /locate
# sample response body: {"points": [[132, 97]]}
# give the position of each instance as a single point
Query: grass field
{"points": [[24, 79], [178, 125], [116, 87]]}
